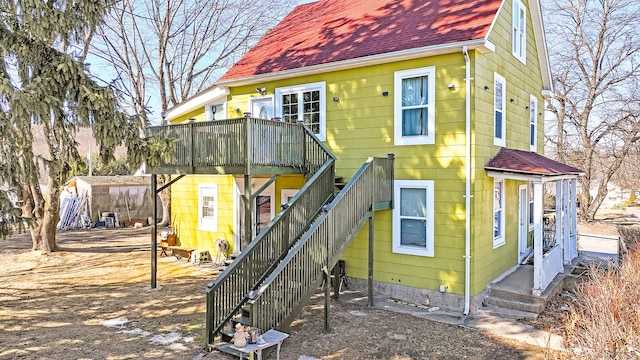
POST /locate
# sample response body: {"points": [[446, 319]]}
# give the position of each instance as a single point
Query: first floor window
{"points": [[413, 217], [303, 104], [498, 213], [533, 123], [208, 207], [414, 106]]}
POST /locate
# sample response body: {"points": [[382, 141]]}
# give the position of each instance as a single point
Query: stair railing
{"points": [[227, 294], [281, 297]]}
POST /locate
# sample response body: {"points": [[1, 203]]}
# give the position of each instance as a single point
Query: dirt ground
{"points": [[92, 301]]}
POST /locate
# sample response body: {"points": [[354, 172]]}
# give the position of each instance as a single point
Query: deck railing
{"points": [[286, 291], [240, 143], [227, 293]]}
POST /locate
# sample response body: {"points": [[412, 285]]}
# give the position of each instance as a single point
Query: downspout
{"points": [[467, 187]]}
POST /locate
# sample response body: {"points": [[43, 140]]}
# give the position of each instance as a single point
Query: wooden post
{"points": [[327, 298], [154, 231], [248, 216]]}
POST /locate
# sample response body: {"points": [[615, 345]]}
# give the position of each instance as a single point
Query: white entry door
{"points": [[523, 223], [262, 107]]}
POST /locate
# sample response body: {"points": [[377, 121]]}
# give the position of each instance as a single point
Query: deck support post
{"points": [[327, 298], [154, 231], [248, 218]]}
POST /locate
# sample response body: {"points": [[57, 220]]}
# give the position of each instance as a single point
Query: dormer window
{"points": [[519, 31]]}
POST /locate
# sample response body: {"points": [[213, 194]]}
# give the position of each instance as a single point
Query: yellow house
{"points": [[430, 112]]}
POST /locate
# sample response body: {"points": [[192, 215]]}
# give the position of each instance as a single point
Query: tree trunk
{"points": [[51, 217], [165, 199]]}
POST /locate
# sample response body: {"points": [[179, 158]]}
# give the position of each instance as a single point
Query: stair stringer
{"points": [[280, 299]]}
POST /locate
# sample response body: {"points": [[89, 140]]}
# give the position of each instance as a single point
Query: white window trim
{"points": [[322, 86], [258, 98], [284, 193], [220, 113], [500, 239], [208, 224], [533, 120], [496, 140], [430, 72], [519, 48], [411, 250]]}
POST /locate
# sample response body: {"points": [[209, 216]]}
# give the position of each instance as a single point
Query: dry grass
{"points": [[605, 323]]}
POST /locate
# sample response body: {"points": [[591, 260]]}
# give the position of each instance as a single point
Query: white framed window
{"points": [[414, 106], [498, 213], [499, 106], [519, 31], [286, 195], [533, 123], [208, 207], [530, 205], [215, 112], [304, 103], [413, 217]]}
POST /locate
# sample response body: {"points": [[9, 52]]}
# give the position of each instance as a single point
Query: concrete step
{"points": [[506, 294], [526, 306], [492, 310]]}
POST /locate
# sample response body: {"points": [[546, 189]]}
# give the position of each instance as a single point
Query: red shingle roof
{"points": [[526, 162], [328, 31]]}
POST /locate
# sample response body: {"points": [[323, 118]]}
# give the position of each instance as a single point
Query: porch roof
{"points": [[522, 163]]}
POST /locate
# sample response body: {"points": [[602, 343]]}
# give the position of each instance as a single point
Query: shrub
{"points": [[605, 324]]}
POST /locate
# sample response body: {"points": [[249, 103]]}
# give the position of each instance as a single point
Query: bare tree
{"points": [[595, 60], [165, 51]]}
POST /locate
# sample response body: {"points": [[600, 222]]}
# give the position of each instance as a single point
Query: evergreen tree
{"points": [[43, 81]]}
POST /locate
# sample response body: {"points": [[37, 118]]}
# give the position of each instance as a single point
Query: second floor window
{"points": [[414, 106], [500, 104], [303, 104]]}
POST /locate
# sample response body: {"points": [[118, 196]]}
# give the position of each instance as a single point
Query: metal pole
{"points": [[370, 276], [154, 231]]}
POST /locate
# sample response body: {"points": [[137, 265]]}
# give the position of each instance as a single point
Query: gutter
{"points": [[467, 187]]}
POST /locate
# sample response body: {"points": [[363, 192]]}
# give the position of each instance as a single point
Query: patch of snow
{"points": [[188, 339], [177, 346], [114, 323], [305, 357], [135, 331], [166, 339], [357, 313]]}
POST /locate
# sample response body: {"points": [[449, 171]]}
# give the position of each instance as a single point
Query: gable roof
{"points": [[210, 95], [528, 163], [334, 31]]}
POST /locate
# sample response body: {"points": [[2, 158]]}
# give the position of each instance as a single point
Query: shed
{"points": [[129, 196]]}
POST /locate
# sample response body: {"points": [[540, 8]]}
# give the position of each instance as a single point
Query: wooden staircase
{"points": [[284, 290], [272, 279]]}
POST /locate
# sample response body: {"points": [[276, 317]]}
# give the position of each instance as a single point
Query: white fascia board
{"points": [[530, 177], [541, 45], [213, 95], [481, 45]]}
